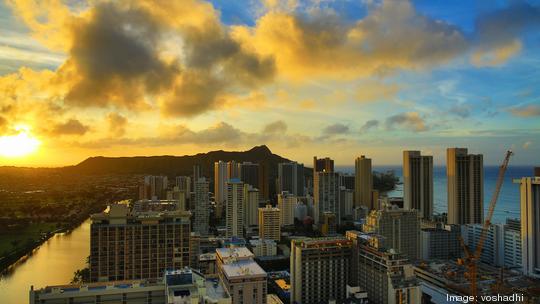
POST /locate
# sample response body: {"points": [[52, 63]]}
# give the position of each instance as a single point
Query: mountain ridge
{"points": [[174, 165]]}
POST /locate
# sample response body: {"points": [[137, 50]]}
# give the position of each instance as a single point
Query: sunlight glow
{"points": [[20, 144]]}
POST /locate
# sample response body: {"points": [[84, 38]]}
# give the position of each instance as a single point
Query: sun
{"points": [[20, 144]]}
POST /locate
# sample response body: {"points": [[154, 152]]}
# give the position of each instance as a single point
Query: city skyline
{"points": [[341, 78]]}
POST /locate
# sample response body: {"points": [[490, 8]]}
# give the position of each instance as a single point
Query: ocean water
{"points": [[507, 204]]}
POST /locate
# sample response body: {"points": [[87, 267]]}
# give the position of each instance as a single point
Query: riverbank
{"points": [[52, 263], [22, 253]]}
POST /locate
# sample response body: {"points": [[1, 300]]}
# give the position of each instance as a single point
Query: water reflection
{"points": [[51, 264]]}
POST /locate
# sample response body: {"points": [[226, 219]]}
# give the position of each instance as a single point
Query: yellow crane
{"points": [[472, 258]]}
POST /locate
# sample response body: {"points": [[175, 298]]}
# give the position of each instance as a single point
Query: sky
{"points": [[305, 77]]}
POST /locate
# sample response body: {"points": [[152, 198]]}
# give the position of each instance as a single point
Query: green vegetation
{"points": [[20, 237], [82, 275], [36, 203], [384, 182]]}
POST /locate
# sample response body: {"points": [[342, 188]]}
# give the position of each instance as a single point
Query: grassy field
{"points": [[11, 240]]}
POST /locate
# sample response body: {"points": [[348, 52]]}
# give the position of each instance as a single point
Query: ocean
{"points": [[507, 204]]}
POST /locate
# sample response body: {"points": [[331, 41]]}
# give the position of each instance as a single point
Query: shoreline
{"points": [[9, 262]]}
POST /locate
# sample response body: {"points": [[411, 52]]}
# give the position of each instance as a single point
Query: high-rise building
{"points": [[197, 172], [346, 202], [249, 173], [234, 208], [363, 182], [233, 169], [153, 187], [201, 206], [251, 205], [220, 186], [300, 211], [183, 183], [242, 277], [347, 181], [440, 242], [286, 204], [263, 247], [399, 227], [322, 164], [138, 243], [264, 185], [465, 177], [530, 225], [319, 269], [512, 243], [291, 178], [180, 196], [328, 226], [387, 276], [492, 250], [269, 227], [418, 183], [502, 245], [326, 194]]}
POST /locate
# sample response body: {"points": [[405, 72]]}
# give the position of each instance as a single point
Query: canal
{"points": [[53, 263]]}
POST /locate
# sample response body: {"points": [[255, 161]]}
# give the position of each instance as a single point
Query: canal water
{"points": [[53, 263]]}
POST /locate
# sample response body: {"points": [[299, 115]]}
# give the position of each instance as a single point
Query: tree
{"points": [[81, 276]]}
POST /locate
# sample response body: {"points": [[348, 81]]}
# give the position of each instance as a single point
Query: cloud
{"points": [[336, 129], [27, 98], [114, 58], [321, 43], [276, 127], [122, 55], [368, 125], [376, 91], [117, 124], [525, 110], [526, 145], [3, 125], [70, 127], [220, 134], [497, 32], [180, 60], [461, 110], [408, 120]]}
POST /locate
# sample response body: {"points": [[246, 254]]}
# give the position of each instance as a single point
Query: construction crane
{"points": [[472, 258]]}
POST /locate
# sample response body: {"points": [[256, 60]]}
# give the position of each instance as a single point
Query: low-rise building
{"points": [[242, 277], [440, 242], [178, 286], [263, 247]]}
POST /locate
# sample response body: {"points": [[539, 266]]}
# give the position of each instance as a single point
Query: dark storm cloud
{"points": [[70, 127]]}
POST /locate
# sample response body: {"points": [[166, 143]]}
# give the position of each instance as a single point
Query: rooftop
{"points": [[261, 241], [322, 241], [243, 268], [234, 252]]}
